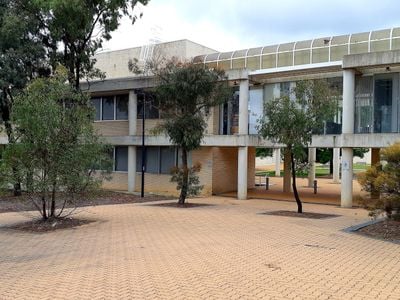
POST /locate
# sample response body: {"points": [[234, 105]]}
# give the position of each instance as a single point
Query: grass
{"points": [[320, 171]]}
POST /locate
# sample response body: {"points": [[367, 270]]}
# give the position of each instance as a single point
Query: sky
{"points": [[226, 25]]}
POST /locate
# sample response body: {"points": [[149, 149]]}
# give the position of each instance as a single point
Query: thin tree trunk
{"points": [[44, 213], [53, 201], [296, 194], [185, 178]]}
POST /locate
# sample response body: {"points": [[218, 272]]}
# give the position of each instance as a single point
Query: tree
{"points": [[292, 122], [186, 92], [383, 180], [21, 59], [57, 150], [74, 30]]}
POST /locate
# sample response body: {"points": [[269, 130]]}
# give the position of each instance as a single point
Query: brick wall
{"points": [[218, 173], [112, 128]]}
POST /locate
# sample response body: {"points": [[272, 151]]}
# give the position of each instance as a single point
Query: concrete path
{"points": [[226, 251]]}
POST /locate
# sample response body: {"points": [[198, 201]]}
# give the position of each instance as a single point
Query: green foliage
{"points": [[382, 181], [72, 31], [186, 92], [194, 187], [57, 147], [292, 122], [264, 152]]}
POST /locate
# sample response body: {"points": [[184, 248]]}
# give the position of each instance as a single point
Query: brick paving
{"points": [[226, 251]]}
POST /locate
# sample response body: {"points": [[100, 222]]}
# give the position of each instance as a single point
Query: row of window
{"points": [[116, 107], [159, 160]]}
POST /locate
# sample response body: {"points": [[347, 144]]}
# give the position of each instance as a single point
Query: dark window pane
{"points": [[138, 159], [122, 107], [121, 158], [167, 159], [152, 160], [108, 108], [96, 102], [151, 107]]}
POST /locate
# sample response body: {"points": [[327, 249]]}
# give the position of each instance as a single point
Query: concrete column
{"points": [[336, 165], [287, 172], [348, 101], [132, 119], [347, 178], [312, 156], [244, 107], [132, 112], [277, 153], [242, 173], [347, 128], [131, 168]]}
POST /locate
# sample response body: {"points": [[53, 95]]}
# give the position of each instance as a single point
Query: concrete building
{"points": [[364, 67]]}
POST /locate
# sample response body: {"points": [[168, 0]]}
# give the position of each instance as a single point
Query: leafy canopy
{"points": [[57, 149]]}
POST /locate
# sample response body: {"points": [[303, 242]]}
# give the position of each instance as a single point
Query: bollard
{"points": [[315, 186], [266, 183]]}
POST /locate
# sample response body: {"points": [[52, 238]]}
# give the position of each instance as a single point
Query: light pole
{"points": [[143, 145]]}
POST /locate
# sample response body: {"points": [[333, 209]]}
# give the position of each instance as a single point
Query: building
{"points": [[364, 66]]}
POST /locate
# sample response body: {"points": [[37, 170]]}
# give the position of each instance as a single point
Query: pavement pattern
{"points": [[225, 251]]}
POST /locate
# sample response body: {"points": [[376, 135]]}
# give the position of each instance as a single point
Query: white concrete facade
{"points": [[348, 68]]}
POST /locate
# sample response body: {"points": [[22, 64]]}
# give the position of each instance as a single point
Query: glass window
{"points": [[152, 111], [167, 159], [383, 105], [363, 121], [108, 108], [96, 102], [121, 158], [152, 160], [122, 107]]}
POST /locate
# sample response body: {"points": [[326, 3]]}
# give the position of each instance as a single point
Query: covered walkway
{"points": [[327, 191]]}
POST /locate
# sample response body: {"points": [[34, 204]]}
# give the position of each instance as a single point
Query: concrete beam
{"points": [[386, 58]]}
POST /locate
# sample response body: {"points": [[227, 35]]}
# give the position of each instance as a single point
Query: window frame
{"points": [[101, 98]]}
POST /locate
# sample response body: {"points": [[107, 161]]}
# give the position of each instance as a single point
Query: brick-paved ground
{"points": [[227, 251]]}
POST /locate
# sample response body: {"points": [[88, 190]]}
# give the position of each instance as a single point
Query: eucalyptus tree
{"points": [[186, 92], [292, 120]]}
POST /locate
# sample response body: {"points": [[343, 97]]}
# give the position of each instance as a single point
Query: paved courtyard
{"points": [[226, 251]]}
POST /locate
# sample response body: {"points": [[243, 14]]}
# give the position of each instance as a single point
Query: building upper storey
{"points": [[315, 51], [115, 63]]}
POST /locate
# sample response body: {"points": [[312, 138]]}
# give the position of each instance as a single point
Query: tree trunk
{"points": [[44, 213], [185, 178], [53, 202], [296, 194]]}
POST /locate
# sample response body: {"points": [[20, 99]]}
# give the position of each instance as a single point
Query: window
{"points": [[122, 107], [167, 159], [121, 158], [151, 107], [108, 108], [96, 102], [159, 160]]}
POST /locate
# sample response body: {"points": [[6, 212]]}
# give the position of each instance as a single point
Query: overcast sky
{"points": [[238, 24]]}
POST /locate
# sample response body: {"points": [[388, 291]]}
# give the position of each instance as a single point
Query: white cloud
{"points": [[235, 24]]}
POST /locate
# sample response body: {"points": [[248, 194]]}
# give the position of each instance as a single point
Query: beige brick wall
{"points": [[112, 128], [224, 169], [213, 121], [160, 183], [149, 125]]}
